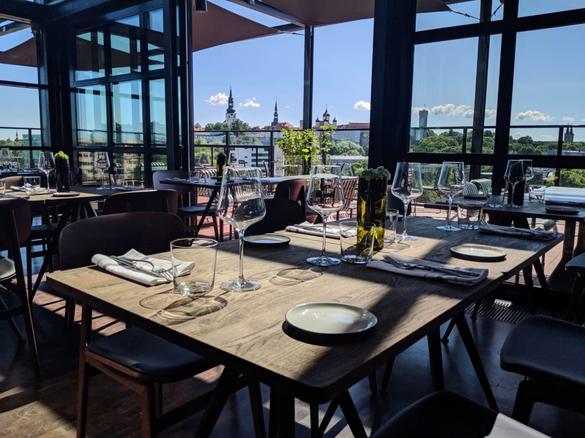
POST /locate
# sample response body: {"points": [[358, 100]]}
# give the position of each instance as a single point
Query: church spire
{"points": [[230, 113], [275, 120]]}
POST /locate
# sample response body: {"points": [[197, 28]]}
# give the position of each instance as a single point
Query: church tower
{"points": [[569, 135], [230, 113], [275, 120]]}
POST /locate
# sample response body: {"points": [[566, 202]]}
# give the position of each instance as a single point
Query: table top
{"points": [[537, 210], [49, 199], [247, 333], [215, 183]]}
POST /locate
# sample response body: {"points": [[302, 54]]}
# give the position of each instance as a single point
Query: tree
{"points": [[237, 125]]}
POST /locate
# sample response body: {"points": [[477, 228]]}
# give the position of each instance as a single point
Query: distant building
{"points": [[358, 132], [417, 134], [276, 125], [326, 120], [569, 135], [230, 113]]}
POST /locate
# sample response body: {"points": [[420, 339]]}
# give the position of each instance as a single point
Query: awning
{"points": [[219, 26], [324, 12]]}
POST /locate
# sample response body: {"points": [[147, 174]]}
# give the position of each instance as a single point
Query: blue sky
{"points": [[549, 85]]}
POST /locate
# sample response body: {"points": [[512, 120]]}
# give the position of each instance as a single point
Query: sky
{"points": [[549, 86]]}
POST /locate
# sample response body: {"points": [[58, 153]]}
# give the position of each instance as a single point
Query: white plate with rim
{"points": [[331, 319], [481, 253], [65, 194], [267, 240]]}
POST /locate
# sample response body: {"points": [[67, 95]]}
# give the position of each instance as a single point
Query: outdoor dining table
{"points": [[71, 208], [247, 332]]}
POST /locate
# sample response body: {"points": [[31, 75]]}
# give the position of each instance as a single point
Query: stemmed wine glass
{"points": [[450, 183], [46, 164], [241, 204], [406, 186], [325, 196], [514, 175], [101, 161]]}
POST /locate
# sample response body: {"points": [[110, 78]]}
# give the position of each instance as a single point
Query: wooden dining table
{"points": [[247, 331]]}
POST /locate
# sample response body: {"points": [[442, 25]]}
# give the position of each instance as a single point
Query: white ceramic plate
{"points": [[268, 240], [482, 253], [331, 319], [65, 194]]}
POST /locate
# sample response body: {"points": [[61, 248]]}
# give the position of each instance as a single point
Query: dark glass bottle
{"points": [[371, 209]]}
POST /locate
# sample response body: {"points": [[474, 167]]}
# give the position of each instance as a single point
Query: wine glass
{"points": [[46, 164], [325, 196], [450, 183], [101, 161], [514, 175], [406, 186], [241, 204]]}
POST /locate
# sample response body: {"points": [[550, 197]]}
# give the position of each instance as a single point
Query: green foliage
{"points": [[378, 173], [326, 139], [237, 125], [303, 144], [61, 156], [346, 147]]}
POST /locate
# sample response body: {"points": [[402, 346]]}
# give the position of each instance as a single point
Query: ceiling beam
{"points": [[258, 6], [89, 7]]}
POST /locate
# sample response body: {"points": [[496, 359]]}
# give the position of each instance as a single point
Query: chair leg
{"points": [[69, 313], [148, 411], [257, 410], [30, 329], [524, 402], [29, 280], [436, 360], [314, 414], [450, 328], [215, 227], [82, 396], [158, 399]]}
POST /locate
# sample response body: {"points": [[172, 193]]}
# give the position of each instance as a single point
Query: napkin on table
{"points": [[506, 427], [463, 278], [140, 276], [530, 233], [315, 229]]}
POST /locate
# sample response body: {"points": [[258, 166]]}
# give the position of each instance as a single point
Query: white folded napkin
{"points": [[449, 273], [315, 229], [141, 273], [530, 233], [18, 188], [506, 427]]}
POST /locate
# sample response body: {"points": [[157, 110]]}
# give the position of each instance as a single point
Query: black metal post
{"points": [[392, 72], [308, 77]]}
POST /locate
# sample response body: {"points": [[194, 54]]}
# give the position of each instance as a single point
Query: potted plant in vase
{"points": [[62, 172], [371, 204], [300, 146]]}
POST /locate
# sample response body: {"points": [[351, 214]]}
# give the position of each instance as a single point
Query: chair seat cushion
{"points": [[440, 415], [576, 264], [150, 355], [7, 269], [196, 209], [543, 347]]}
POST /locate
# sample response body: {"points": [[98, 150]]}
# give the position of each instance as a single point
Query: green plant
{"points": [[378, 173], [302, 144], [326, 140], [61, 156]]}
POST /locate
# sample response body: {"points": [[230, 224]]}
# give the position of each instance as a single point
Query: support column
{"points": [[308, 77]]}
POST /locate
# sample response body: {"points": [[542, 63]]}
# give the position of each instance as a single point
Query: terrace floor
{"points": [[113, 411]]}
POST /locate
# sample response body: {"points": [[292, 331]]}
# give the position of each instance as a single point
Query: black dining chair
{"points": [[165, 201], [279, 214], [15, 223], [550, 354], [440, 415], [188, 210], [133, 357]]}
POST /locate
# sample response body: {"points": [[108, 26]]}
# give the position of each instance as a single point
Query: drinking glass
{"points": [[390, 224], [407, 186], [357, 243], [470, 214], [32, 184], [2, 187], [325, 196], [450, 183], [203, 254], [101, 161], [241, 204], [46, 164], [514, 175]]}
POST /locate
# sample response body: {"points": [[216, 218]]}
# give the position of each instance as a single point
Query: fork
{"points": [[408, 266], [160, 272]]}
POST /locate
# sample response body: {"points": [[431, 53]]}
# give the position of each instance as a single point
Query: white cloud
{"points": [[362, 105], [568, 119], [417, 109], [490, 113], [533, 116], [250, 103], [452, 110], [217, 99]]}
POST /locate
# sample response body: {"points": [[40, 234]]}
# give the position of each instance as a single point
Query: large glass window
{"points": [[89, 51], [534, 7], [125, 46], [127, 105], [158, 125], [18, 60], [92, 128]]}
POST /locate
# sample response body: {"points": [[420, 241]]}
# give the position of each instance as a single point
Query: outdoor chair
{"points": [[279, 214], [187, 210], [15, 223], [133, 357], [165, 201], [550, 354]]}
